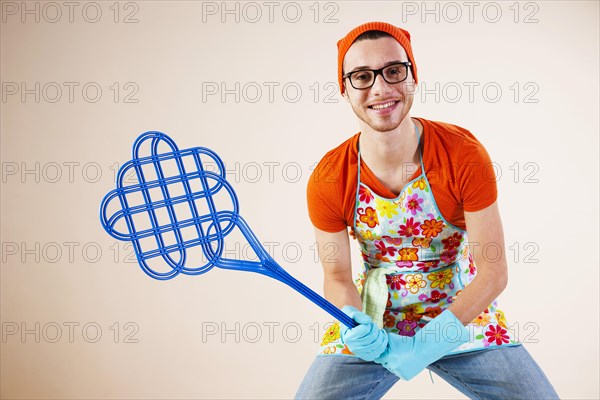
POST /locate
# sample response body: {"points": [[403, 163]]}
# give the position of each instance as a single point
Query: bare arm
{"points": [[334, 253], [484, 227]]}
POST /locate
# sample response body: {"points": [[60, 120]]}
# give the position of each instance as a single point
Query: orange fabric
{"points": [[402, 36], [457, 165]]}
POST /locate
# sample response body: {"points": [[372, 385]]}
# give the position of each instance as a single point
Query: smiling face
{"points": [[383, 106]]}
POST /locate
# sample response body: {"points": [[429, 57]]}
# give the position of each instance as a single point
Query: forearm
{"points": [[334, 253], [485, 229], [479, 294], [341, 292]]}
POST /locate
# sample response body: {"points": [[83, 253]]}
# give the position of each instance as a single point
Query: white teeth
{"points": [[382, 106]]}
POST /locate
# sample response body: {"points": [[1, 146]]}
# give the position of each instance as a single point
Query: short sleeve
{"points": [[476, 176], [323, 197]]}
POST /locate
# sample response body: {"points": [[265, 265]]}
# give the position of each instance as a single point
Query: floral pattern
{"points": [[409, 229], [364, 194], [406, 327], [482, 319], [395, 282], [332, 334], [420, 184], [408, 254], [432, 227], [497, 334], [433, 312], [436, 296], [441, 278], [421, 242], [386, 208], [369, 217], [452, 242], [383, 249], [413, 203], [389, 319], [415, 282], [430, 262]]}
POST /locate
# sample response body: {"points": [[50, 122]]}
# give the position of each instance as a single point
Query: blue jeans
{"points": [[502, 373]]}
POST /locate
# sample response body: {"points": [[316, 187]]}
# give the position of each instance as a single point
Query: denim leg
{"points": [[502, 373], [341, 377], [497, 374]]}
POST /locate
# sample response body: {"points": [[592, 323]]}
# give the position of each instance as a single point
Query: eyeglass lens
{"points": [[392, 74]]}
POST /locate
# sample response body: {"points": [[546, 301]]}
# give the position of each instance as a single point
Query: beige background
{"points": [[80, 321]]}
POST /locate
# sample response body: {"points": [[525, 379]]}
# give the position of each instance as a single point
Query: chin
{"points": [[386, 126], [385, 129]]}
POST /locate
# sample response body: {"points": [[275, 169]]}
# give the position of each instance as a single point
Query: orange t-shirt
{"points": [[457, 166]]}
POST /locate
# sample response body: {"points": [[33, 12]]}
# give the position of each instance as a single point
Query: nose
{"points": [[379, 84]]}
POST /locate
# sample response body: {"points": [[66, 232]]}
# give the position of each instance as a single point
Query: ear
{"points": [[412, 78], [414, 86], [345, 95]]}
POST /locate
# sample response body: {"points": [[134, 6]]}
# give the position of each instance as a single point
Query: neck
{"points": [[392, 150]]}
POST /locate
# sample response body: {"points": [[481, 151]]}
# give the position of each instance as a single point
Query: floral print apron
{"points": [[428, 264]]}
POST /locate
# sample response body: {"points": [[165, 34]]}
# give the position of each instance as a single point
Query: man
{"points": [[410, 189]]}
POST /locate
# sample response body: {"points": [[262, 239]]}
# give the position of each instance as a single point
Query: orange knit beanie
{"points": [[402, 36]]}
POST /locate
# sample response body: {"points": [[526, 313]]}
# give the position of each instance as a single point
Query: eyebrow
{"points": [[384, 65]]}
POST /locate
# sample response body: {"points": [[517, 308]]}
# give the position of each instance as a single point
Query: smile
{"points": [[383, 106]]}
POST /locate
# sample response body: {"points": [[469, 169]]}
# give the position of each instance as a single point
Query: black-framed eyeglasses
{"points": [[365, 78]]}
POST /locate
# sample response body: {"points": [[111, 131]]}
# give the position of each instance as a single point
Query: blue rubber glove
{"points": [[366, 340], [407, 356]]}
